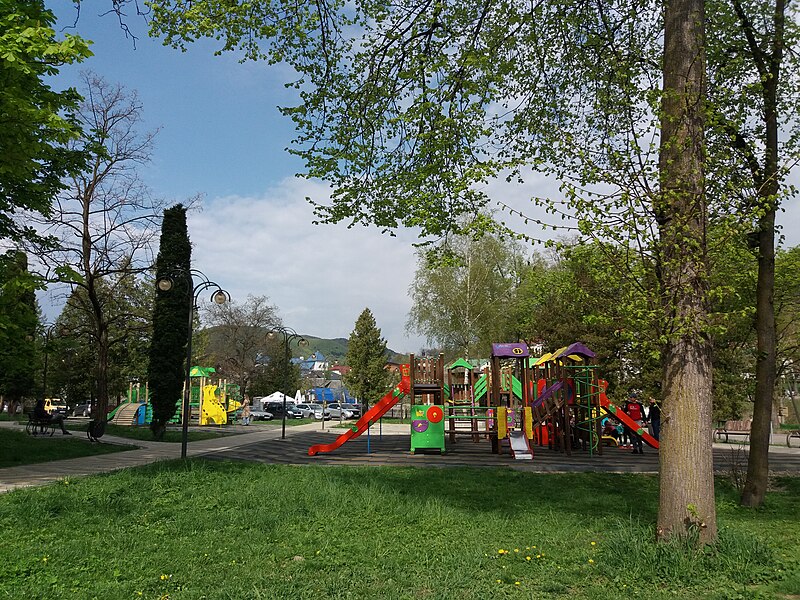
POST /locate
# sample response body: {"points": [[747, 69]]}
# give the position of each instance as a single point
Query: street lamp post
{"points": [[197, 283], [48, 332], [288, 335]]}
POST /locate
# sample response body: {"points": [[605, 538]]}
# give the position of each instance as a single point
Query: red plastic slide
{"points": [[373, 414], [623, 418]]}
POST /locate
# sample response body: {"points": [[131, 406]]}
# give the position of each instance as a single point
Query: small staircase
{"points": [[126, 414]]}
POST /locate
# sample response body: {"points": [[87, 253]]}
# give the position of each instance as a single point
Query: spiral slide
{"points": [[373, 414]]}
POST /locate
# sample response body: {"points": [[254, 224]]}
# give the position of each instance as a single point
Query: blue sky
{"points": [[221, 136]]}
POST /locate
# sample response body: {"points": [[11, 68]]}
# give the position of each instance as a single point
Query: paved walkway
{"points": [[147, 452], [386, 445]]}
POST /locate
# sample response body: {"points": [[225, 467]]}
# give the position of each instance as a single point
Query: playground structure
{"points": [[212, 402], [518, 403]]}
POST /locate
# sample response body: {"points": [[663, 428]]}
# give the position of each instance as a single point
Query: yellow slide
{"points": [[212, 411]]}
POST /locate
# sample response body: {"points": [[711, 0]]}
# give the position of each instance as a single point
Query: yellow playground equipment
{"points": [[212, 410], [213, 403]]}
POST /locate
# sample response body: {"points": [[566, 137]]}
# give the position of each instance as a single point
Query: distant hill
{"points": [[334, 350]]}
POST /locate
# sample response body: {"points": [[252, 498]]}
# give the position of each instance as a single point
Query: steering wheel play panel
{"points": [[427, 427]]}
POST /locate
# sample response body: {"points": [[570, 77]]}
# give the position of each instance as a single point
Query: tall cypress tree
{"points": [[170, 319], [366, 357]]}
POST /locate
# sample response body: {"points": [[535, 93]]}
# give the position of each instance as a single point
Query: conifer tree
{"points": [[366, 357], [18, 313], [170, 319]]}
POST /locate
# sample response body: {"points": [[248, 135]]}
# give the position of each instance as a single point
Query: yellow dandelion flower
{"points": [[594, 543], [498, 581], [591, 562], [44, 559], [501, 551], [516, 583], [527, 558], [516, 549], [538, 556]]}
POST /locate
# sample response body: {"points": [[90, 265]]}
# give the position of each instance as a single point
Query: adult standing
{"points": [[635, 410], [246, 411], [654, 416]]}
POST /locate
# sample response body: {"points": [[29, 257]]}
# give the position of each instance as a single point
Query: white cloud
{"points": [[320, 276]]}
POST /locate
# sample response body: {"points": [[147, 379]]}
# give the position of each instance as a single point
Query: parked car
{"points": [[82, 410], [260, 415], [312, 411], [55, 406], [276, 408], [354, 408], [339, 411]]}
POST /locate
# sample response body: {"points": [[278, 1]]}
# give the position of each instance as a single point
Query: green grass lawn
{"points": [[208, 529], [173, 433], [19, 448], [8, 417]]}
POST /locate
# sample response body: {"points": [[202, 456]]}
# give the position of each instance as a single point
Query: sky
{"points": [[221, 137]]}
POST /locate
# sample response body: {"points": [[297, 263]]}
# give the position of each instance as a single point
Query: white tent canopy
{"points": [[277, 397]]}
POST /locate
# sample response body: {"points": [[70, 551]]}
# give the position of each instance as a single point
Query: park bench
{"points": [[39, 426], [793, 437], [730, 428]]}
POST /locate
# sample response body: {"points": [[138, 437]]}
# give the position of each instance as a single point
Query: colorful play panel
{"points": [[427, 427]]}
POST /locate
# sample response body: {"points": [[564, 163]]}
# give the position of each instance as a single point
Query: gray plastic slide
{"points": [[520, 449]]}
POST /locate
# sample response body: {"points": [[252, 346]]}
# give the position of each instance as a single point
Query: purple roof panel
{"points": [[510, 350], [579, 349]]}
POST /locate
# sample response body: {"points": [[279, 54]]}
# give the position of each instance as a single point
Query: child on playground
{"points": [[610, 428]]}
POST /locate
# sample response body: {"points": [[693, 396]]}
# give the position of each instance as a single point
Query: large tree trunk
{"points": [[766, 363], [100, 330], [686, 500], [758, 461]]}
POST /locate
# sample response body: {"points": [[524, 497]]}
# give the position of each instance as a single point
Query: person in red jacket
{"points": [[635, 410]]}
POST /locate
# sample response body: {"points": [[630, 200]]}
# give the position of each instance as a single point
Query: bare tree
{"points": [[238, 335], [105, 222]]}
